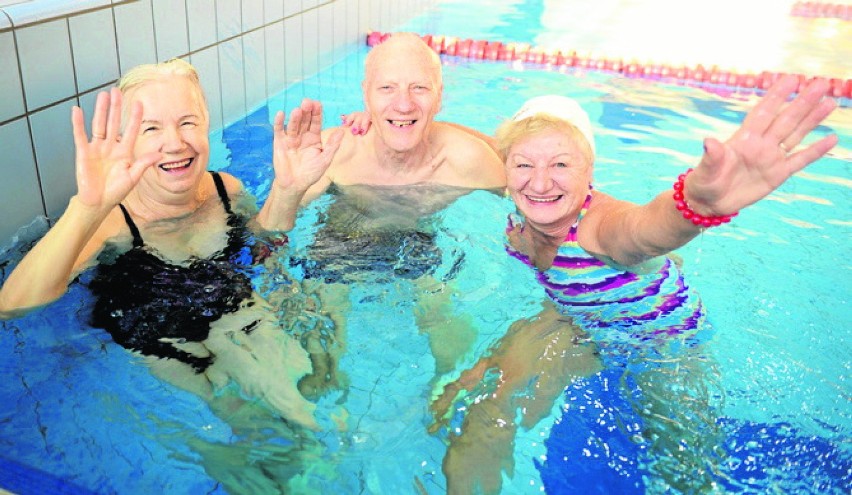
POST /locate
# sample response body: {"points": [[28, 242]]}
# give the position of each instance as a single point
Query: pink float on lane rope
{"points": [[820, 9], [498, 51]]}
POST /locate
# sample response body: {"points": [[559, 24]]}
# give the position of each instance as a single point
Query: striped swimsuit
{"points": [[645, 302]]}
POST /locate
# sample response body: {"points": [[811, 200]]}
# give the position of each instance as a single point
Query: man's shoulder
{"points": [[466, 141], [470, 156]]}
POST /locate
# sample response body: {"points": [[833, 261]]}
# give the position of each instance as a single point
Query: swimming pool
{"points": [[775, 283]]}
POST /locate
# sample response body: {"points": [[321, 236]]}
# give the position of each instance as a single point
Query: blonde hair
{"points": [[410, 44], [512, 131], [147, 73]]}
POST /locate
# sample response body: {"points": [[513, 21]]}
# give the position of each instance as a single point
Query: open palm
{"points": [[299, 157], [759, 157], [106, 167]]}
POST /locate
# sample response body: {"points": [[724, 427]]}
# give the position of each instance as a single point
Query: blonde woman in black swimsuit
{"points": [[172, 244]]}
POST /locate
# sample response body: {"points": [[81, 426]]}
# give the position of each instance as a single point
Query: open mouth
{"points": [[544, 199], [174, 166], [402, 123]]}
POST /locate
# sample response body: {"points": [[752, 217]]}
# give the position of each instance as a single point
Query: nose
{"points": [[540, 181], [403, 102], [172, 140]]}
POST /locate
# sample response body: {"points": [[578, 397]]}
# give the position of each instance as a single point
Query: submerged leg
{"points": [[325, 342], [516, 384], [676, 399], [451, 336]]}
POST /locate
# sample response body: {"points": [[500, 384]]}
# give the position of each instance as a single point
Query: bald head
{"points": [[403, 45]]}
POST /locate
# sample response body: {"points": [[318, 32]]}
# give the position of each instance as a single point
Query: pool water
{"points": [[82, 415]]}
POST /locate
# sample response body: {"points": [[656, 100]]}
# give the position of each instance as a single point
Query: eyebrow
{"points": [[564, 153], [182, 117]]}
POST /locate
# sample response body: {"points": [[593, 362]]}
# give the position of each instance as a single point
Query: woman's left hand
{"points": [[762, 153]]}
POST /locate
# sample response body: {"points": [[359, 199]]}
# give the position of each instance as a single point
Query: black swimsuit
{"points": [[141, 299]]}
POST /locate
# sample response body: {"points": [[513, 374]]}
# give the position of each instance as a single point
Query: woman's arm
{"points": [[106, 171], [300, 159], [755, 161]]}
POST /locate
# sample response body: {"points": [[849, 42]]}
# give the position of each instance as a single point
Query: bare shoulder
{"points": [[232, 184], [470, 155]]}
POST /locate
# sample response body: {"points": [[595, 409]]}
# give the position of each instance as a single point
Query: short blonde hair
{"points": [[512, 131], [412, 45], [147, 73]]}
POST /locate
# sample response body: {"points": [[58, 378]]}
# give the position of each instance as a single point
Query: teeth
{"points": [[401, 123], [173, 165], [543, 200]]}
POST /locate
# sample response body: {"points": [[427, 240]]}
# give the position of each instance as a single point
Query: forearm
{"points": [[643, 232], [280, 209], [43, 274]]}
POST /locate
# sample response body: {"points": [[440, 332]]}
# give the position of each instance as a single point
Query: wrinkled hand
{"points": [[299, 157], [760, 155], [357, 122], [106, 168]]}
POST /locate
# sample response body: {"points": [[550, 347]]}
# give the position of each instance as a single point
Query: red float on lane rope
{"points": [[523, 52]]}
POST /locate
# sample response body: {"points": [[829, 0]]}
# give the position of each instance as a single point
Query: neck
{"points": [[551, 234], [404, 162], [149, 206]]}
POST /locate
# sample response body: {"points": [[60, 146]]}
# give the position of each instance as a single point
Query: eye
{"points": [[189, 124], [149, 129], [560, 165], [523, 165]]}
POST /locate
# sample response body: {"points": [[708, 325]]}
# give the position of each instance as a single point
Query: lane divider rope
{"points": [[823, 10], [699, 74]]}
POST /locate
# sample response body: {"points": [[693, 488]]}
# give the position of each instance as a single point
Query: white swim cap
{"points": [[561, 107]]}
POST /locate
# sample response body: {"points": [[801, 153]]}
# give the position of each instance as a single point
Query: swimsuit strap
{"points": [[572, 234], [134, 231], [223, 193]]}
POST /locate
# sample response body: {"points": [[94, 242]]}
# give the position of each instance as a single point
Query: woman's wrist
{"points": [[682, 205]]}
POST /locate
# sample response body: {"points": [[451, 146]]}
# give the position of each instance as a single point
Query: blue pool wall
{"points": [[55, 54]]}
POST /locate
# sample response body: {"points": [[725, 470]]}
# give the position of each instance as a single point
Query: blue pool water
{"points": [[80, 414]]}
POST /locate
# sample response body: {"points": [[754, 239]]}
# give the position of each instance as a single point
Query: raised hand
{"points": [[299, 156], [106, 167], [762, 153]]}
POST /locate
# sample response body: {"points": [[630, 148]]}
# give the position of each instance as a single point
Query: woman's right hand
{"points": [[106, 167], [357, 122]]}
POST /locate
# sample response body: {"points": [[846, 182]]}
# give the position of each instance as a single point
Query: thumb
{"points": [[138, 167], [714, 153], [331, 146]]}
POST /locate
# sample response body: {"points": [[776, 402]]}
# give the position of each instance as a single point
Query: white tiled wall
{"points": [[54, 55]]}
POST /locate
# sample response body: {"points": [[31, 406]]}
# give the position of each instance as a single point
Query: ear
{"points": [[364, 95]]}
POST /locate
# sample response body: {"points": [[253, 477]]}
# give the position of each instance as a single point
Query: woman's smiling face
{"points": [[174, 123], [548, 177]]}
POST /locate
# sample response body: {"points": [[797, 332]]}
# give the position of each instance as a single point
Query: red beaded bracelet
{"points": [[686, 211]]}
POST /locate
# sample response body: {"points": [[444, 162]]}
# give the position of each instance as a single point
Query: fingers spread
{"points": [[801, 159], [761, 116], [134, 121], [78, 126], [99, 119], [817, 113], [294, 125], [113, 128], [800, 116], [278, 124]]}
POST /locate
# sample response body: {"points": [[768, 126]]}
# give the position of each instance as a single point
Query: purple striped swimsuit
{"points": [[645, 302]]}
